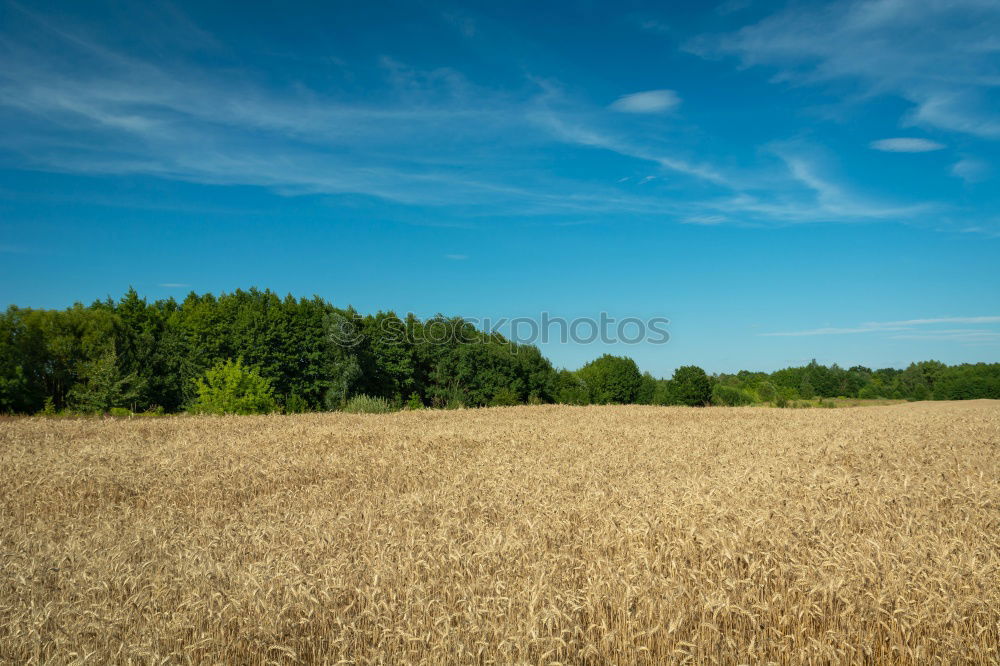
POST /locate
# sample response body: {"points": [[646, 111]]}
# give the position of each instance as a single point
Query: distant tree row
{"points": [[251, 351]]}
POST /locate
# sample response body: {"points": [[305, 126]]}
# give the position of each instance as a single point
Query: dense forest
{"points": [[263, 353]]}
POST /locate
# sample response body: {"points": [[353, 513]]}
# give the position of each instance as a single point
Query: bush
{"points": [[785, 397], [868, 392], [295, 404], [120, 412], [367, 404], [766, 391], [233, 388], [414, 402], [730, 396], [505, 397]]}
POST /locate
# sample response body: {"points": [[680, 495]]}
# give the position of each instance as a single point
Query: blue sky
{"points": [[782, 181]]}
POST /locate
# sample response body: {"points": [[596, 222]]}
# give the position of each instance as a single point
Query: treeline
{"points": [[253, 351]]}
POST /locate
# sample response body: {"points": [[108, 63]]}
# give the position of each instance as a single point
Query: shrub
{"points": [[869, 392], [730, 396], [414, 402], [233, 388], [505, 397], [367, 404], [296, 404], [766, 391], [50, 407], [120, 412]]}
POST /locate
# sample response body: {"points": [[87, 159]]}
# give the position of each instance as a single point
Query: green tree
{"points": [[691, 386], [665, 393], [647, 390], [229, 387], [570, 389], [611, 379], [102, 386], [767, 391]]}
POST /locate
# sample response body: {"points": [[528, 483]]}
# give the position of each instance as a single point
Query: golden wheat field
{"points": [[532, 535]]}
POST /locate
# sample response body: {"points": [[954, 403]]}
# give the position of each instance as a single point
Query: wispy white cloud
{"points": [[831, 331], [889, 326], [707, 220], [906, 145], [937, 55], [436, 139], [959, 336], [971, 170], [574, 131], [732, 6], [654, 25], [434, 142], [828, 200], [456, 257], [174, 285], [938, 320], [649, 101]]}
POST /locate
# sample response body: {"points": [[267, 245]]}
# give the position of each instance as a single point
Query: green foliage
{"points": [[50, 407], [139, 355], [414, 402], [230, 387], [570, 389], [785, 397], [767, 391], [367, 404], [691, 386], [295, 404], [665, 393], [611, 379], [120, 412], [647, 390], [730, 396], [505, 397], [102, 387], [870, 392]]}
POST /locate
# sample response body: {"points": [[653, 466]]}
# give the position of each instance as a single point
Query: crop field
{"points": [[533, 535]]}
